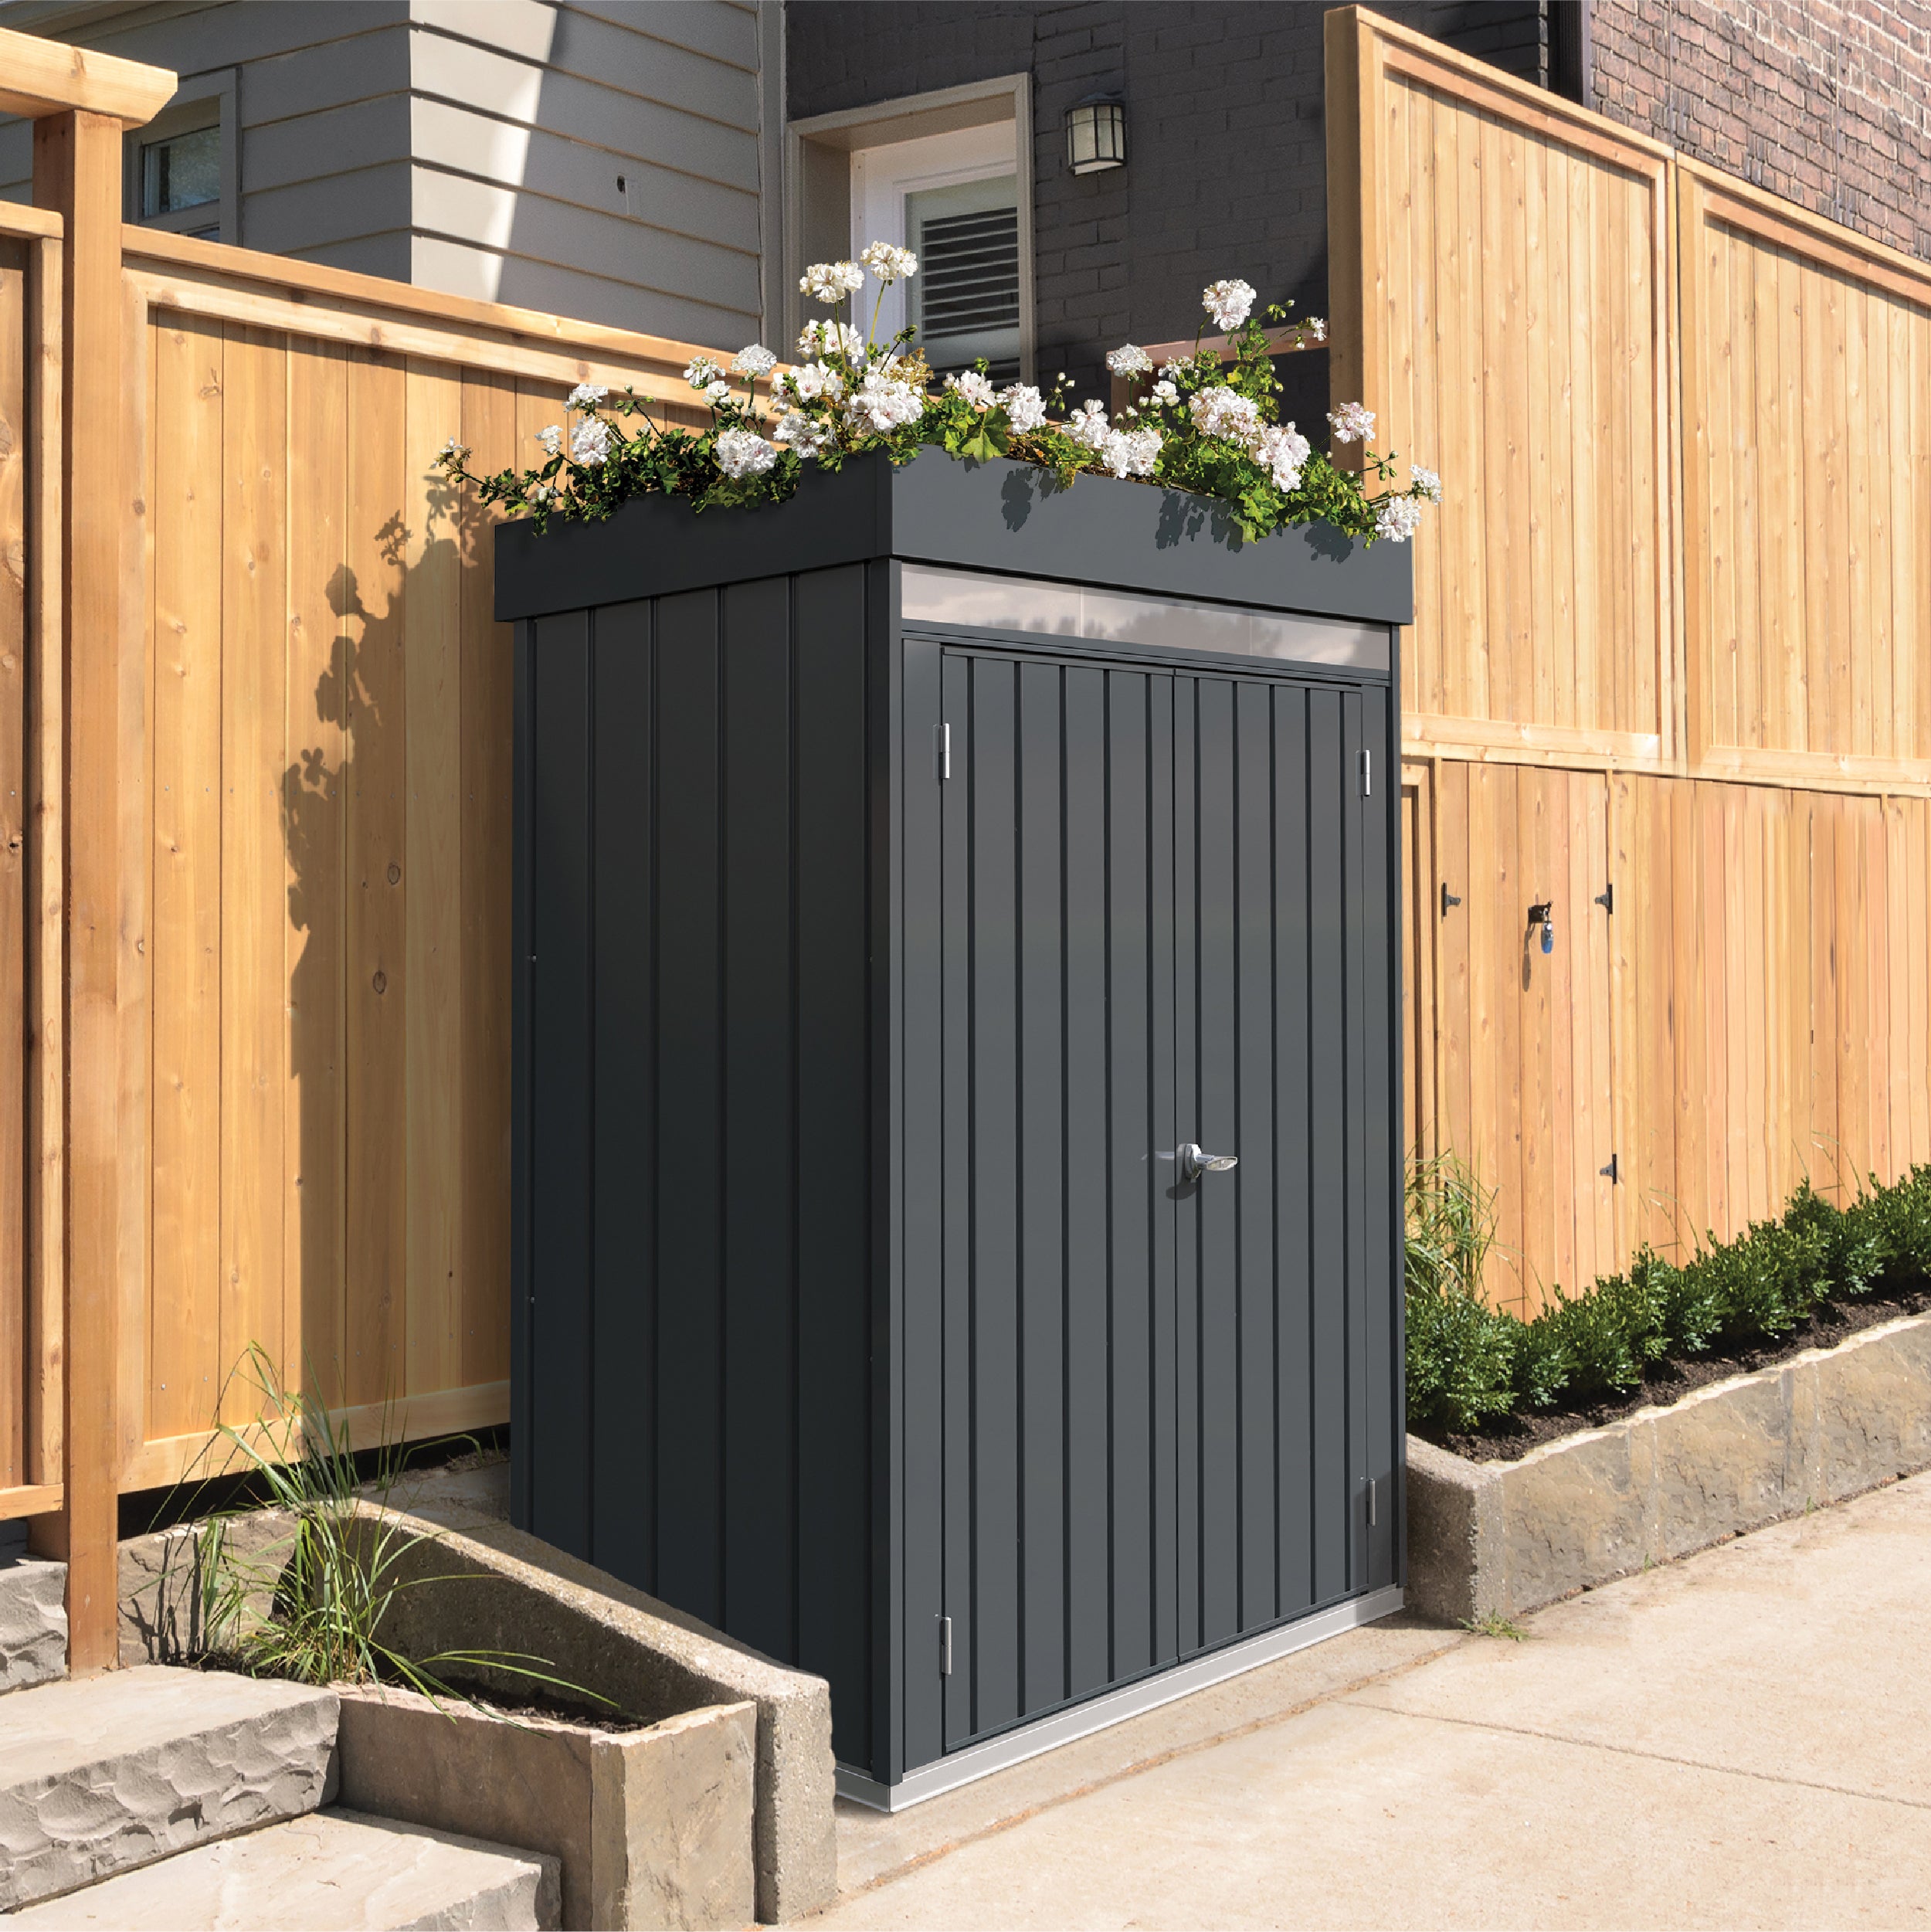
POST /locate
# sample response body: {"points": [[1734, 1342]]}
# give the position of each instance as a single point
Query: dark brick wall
{"points": [[1226, 172], [1824, 103]]}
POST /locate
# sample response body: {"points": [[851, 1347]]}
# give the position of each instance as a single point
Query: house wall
{"points": [[1827, 103], [479, 149]]}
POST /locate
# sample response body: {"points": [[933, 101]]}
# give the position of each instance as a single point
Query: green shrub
{"points": [[1469, 1363]]}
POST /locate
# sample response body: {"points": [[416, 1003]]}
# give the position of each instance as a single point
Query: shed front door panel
{"points": [[1160, 917]]}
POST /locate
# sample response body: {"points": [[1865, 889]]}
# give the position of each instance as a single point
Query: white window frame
{"points": [[825, 148], [203, 100]]}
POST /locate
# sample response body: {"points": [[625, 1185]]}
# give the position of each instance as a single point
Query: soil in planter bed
{"points": [[1666, 1381]]}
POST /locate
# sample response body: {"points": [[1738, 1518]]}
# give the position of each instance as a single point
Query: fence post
{"points": [[80, 102]]}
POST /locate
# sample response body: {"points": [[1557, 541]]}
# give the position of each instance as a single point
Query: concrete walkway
{"points": [[1742, 1739]]}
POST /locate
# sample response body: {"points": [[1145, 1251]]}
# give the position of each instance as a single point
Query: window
{"points": [[946, 175], [181, 167]]}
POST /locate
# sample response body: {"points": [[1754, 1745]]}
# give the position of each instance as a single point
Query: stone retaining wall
{"points": [[1501, 1538]]}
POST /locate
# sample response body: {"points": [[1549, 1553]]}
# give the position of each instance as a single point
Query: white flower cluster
{"points": [[889, 263], [811, 380], [590, 441], [1282, 451], [881, 403], [585, 396], [743, 453], [1230, 302], [701, 370], [1317, 328], [1352, 423], [1397, 519], [830, 338], [754, 361], [552, 438], [1130, 452], [452, 452], [1128, 359], [1426, 481], [716, 390], [1088, 425], [832, 281], [805, 434], [973, 387], [1024, 407], [1165, 394], [1222, 412]]}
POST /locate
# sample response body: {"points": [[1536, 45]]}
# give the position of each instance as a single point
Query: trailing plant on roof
{"points": [[1200, 423]]}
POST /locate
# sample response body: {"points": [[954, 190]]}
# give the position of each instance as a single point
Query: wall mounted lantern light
{"points": [[1095, 135]]}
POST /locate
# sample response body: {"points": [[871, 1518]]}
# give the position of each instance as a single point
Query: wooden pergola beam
{"points": [[41, 77]]}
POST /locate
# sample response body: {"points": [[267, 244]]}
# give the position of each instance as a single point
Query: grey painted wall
{"points": [[1226, 170], [476, 146]]}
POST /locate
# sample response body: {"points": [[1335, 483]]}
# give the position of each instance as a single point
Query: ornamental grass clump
{"points": [[1470, 1365], [1203, 423]]}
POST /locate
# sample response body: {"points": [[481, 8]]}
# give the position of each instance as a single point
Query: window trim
{"points": [[204, 101], [882, 123]]}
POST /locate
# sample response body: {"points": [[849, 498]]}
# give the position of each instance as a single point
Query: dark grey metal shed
{"points": [[910, 881]]}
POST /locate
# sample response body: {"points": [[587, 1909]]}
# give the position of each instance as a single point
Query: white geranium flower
{"points": [[590, 442], [832, 281], [1426, 481], [1087, 424], [975, 388], [1352, 423], [552, 438], [585, 396], [1024, 407], [1128, 359], [1317, 328], [1230, 302], [889, 263], [1397, 519], [814, 379], [1166, 394], [1224, 411], [716, 390], [1282, 451], [452, 452], [1130, 452], [1168, 371], [810, 437], [881, 403], [753, 360], [701, 370], [743, 453], [541, 493], [830, 338]]}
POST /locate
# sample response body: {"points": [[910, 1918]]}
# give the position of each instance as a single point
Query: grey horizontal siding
{"points": [[478, 148]]}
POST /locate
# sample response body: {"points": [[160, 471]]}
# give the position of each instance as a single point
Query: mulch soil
{"points": [[1509, 1437]]}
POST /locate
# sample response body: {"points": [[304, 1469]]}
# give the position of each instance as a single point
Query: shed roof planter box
{"points": [[911, 879]]}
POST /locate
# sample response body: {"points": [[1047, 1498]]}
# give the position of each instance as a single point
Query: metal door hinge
{"points": [[1447, 899], [1372, 1487], [1606, 899], [1367, 775], [944, 1646], [944, 736], [1610, 1172]]}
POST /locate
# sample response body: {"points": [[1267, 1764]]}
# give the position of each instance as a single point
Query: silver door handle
{"points": [[1195, 1161]]}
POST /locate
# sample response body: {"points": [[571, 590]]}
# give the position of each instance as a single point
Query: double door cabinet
{"points": [[958, 1109]]}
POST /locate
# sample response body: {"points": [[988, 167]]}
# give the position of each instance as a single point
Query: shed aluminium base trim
{"points": [[1031, 1740]]}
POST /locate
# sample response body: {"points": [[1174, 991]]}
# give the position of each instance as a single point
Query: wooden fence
{"points": [[1564, 319]]}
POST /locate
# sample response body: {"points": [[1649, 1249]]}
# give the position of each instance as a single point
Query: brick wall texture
{"points": [[1827, 102]]}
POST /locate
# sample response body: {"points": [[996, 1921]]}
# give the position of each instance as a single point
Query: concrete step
{"points": [[118, 1771], [33, 1623], [334, 1872]]}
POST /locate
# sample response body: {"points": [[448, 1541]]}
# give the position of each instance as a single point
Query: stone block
{"points": [[672, 1815], [649, 1828], [1504, 1538], [33, 1623], [117, 1771]]}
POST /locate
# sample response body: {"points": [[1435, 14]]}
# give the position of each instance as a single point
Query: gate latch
{"points": [[1195, 1161]]}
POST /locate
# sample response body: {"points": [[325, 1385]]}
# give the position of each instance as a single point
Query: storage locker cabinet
{"points": [[887, 935]]}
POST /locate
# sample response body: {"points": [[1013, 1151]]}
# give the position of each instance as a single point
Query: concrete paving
{"points": [[1741, 1739]]}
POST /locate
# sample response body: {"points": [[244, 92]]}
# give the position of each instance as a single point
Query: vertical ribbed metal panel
{"points": [[694, 1291]]}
